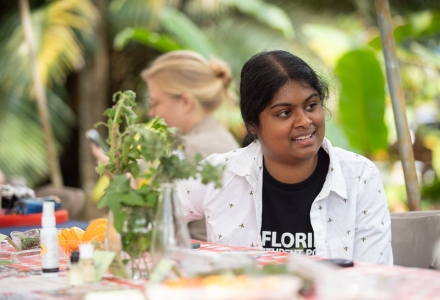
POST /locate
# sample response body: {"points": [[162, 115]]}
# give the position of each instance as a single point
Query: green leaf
{"points": [[114, 202], [133, 199], [362, 101], [152, 199], [160, 42], [103, 202], [271, 15], [133, 168], [185, 31], [144, 189], [119, 218], [119, 185]]}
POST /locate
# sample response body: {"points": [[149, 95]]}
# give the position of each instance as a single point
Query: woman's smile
{"points": [[304, 138]]}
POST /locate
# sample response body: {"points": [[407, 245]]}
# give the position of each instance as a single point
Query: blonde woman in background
{"points": [[184, 89]]}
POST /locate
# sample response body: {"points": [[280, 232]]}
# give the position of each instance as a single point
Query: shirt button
{"points": [[319, 233]]}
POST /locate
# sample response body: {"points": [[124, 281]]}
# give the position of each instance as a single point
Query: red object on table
{"points": [[61, 216]]}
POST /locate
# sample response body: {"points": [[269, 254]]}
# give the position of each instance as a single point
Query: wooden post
{"points": [[398, 102], [40, 95]]}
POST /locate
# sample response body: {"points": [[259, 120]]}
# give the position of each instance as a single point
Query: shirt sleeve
{"points": [[372, 240], [191, 194]]}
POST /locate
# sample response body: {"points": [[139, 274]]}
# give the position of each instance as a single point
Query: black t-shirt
{"points": [[286, 210]]}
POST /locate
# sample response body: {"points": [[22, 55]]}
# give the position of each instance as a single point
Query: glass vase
{"points": [[170, 231], [136, 240], [112, 240]]}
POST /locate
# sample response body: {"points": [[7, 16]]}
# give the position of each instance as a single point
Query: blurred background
{"points": [[89, 49]]}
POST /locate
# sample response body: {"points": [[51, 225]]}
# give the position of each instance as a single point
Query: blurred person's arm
{"points": [[99, 154], [101, 158]]}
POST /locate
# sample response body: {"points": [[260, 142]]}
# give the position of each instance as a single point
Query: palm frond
{"points": [[23, 151], [136, 13], [59, 49], [57, 26]]}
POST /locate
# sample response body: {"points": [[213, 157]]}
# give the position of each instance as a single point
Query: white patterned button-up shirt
{"points": [[350, 216]]}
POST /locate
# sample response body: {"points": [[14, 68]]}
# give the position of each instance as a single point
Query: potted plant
{"points": [[153, 144]]}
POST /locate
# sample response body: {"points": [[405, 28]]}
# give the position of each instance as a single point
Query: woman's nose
{"points": [[151, 113], [302, 119]]}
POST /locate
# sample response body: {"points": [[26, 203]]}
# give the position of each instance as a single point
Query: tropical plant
{"points": [[59, 28]]}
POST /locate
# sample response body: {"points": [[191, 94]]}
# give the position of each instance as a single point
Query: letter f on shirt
{"points": [[266, 237], [270, 235]]}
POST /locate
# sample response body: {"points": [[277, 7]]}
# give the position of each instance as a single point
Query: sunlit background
{"points": [[87, 50]]}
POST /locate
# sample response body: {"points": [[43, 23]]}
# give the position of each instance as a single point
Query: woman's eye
{"points": [[284, 113], [311, 106]]}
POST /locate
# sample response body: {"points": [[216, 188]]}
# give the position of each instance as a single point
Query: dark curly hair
{"points": [[261, 78]]}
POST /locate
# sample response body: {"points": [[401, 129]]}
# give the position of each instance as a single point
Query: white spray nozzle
{"points": [[48, 219]]}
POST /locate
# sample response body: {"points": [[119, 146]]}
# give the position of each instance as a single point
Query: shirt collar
{"points": [[335, 176], [246, 158], [242, 165]]}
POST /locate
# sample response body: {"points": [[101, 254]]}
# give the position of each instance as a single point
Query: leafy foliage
{"points": [[58, 27], [268, 14], [186, 31], [160, 42], [362, 100], [153, 143]]}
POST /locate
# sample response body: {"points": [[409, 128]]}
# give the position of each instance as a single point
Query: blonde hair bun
{"points": [[186, 71], [221, 70]]}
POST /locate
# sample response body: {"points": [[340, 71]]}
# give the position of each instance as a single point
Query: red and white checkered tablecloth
{"points": [[408, 283], [267, 257]]}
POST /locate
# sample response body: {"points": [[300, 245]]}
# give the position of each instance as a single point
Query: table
{"points": [[411, 283]]}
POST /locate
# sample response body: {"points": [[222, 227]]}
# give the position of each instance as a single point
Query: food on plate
{"points": [[225, 287]]}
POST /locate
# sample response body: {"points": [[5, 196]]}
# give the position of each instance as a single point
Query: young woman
{"points": [[290, 189], [185, 89]]}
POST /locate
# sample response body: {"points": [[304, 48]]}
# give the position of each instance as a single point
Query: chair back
{"points": [[414, 238]]}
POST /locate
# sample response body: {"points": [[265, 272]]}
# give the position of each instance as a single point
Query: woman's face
{"points": [[165, 106], [292, 127]]}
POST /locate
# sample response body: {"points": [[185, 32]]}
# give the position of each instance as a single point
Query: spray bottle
{"points": [[49, 241]]}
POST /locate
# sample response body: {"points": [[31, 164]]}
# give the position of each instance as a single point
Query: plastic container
{"points": [[26, 240], [49, 241]]}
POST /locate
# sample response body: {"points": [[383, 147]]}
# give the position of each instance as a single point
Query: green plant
{"points": [[155, 144]]}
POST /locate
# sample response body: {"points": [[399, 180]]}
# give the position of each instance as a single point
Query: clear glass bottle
{"points": [[74, 272], [169, 231], [87, 262]]}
